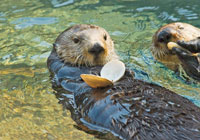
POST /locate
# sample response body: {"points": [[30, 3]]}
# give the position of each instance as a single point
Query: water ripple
{"points": [[2, 14], [166, 16], [57, 3], [141, 9], [118, 33], [140, 25], [188, 14], [25, 22], [18, 10]]}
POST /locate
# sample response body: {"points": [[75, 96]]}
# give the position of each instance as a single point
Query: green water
{"points": [[28, 107]]}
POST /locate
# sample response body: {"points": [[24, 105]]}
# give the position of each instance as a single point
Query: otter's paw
{"points": [[192, 46], [189, 61]]}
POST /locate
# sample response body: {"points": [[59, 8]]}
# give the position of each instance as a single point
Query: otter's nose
{"points": [[96, 49], [164, 36]]}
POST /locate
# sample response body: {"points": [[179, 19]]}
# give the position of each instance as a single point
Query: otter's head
{"points": [[87, 45], [171, 33]]}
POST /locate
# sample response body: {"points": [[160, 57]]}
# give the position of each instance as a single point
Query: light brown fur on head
{"points": [[74, 45], [175, 31]]}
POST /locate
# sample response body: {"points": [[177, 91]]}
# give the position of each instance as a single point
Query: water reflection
{"points": [[60, 3], [188, 14], [25, 22], [141, 9]]}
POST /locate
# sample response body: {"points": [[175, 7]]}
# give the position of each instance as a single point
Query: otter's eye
{"points": [[76, 40], [105, 37]]}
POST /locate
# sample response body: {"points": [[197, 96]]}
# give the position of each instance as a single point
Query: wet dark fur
{"points": [[131, 109]]}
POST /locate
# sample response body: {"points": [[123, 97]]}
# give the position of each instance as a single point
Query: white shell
{"points": [[113, 70]]}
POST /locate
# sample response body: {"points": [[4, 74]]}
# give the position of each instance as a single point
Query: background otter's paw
{"points": [[193, 45], [182, 53], [189, 61]]}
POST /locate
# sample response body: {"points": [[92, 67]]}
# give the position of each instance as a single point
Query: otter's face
{"points": [[87, 45], [171, 33]]}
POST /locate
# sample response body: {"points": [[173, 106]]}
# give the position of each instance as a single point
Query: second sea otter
{"points": [[187, 36]]}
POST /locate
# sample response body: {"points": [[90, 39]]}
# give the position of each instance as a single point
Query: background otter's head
{"points": [[87, 45], [171, 33]]}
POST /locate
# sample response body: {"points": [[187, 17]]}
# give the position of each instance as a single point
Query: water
{"points": [[28, 107]]}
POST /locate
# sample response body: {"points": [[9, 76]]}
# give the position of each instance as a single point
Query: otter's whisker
{"points": [[77, 58]]}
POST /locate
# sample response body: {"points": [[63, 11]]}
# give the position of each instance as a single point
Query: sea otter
{"points": [[131, 109], [187, 55], [85, 46]]}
